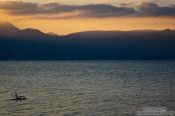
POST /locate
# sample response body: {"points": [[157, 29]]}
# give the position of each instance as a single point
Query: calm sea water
{"points": [[85, 88]]}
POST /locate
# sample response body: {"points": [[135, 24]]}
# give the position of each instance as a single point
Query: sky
{"points": [[69, 16]]}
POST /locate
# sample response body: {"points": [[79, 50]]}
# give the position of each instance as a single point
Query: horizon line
{"points": [[6, 22]]}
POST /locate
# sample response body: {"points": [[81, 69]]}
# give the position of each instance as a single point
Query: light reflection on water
{"points": [[85, 88]]}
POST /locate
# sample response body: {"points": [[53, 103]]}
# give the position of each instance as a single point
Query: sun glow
{"points": [[69, 22]]}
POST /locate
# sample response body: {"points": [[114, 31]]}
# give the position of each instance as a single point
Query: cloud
{"points": [[152, 9], [56, 10]]}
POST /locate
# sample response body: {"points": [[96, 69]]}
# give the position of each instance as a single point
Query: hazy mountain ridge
{"points": [[32, 44], [8, 30]]}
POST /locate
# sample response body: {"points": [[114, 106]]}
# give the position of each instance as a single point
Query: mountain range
{"points": [[32, 44]]}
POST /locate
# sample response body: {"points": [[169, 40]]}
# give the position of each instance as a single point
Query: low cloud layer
{"points": [[56, 10]]}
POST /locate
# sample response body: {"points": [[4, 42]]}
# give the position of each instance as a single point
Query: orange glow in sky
{"points": [[76, 24]]}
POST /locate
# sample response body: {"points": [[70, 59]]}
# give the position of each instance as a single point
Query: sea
{"points": [[87, 88]]}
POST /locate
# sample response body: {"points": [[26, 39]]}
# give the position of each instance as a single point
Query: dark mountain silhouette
{"points": [[8, 30], [32, 44], [33, 33]]}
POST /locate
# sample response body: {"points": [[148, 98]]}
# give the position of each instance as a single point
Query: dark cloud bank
{"points": [[92, 10]]}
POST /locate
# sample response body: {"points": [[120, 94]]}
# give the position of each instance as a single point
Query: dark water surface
{"points": [[85, 88]]}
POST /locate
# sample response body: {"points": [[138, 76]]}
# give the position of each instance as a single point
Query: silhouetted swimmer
{"points": [[19, 97]]}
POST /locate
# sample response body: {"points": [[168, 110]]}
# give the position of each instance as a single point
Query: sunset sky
{"points": [[68, 16]]}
